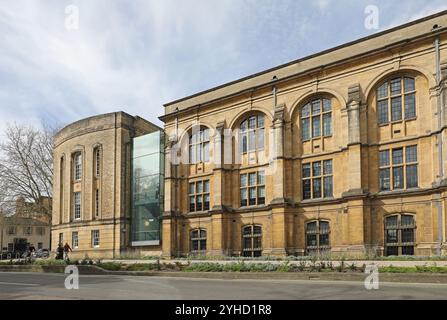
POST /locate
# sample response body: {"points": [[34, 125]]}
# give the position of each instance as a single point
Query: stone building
{"points": [[343, 151], [92, 204], [30, 225]]}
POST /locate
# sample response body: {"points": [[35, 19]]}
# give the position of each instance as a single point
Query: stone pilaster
{"points": [[277, 168], [217, 247], [218, 176], [279, 232], [442, 96], [354, 145]]}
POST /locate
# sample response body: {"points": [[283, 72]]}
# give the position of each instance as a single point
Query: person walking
{"points": [[60, 252], [67, 249]]}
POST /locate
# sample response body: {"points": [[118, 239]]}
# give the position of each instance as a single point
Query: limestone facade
{"points": [[92, 184], [346, 151]]}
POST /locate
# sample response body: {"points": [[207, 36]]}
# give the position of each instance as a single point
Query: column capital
{"points": [[354, 94], [220, 127], [353, 108], [279, 115]]}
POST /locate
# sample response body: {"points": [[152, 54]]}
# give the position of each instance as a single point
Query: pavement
{"points": [[41, 286]]}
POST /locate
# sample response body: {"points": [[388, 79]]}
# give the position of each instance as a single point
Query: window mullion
{"points": [[404, 167], [403, 103], [389, 102], [391, 175], [312, 180], [311, 126], [318, 236]]}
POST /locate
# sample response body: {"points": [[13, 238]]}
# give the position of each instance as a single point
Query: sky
{"points": [[134, 56]]}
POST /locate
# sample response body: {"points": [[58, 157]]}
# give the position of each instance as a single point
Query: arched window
{"points": [[396, 99], [316, 119], [252, 241], [317, 237], [198, 240], [199, 146], [252, 134], [399, 235]]}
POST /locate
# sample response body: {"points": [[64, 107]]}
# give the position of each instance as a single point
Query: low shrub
{"points": [[140, 267], [204, 267], [50, 262], [416, 269], [112, 266]]}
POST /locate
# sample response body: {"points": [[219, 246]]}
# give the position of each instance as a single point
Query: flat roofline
{"points": [[375, 35]]}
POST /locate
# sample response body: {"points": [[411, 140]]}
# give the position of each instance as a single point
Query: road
{"points": [[51, 286]]}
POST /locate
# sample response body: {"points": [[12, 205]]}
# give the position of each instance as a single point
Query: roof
{"points": [[400, 34], [100, 122], [15, 221]]}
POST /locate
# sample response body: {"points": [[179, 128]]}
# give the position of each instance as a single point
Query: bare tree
{"points": [[26, 167]]}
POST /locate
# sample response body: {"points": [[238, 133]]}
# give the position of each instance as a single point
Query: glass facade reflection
{"points": [[147, 188]]}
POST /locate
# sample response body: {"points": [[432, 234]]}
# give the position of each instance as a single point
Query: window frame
{"points": [[13, 229], [253, 251], [77, 166], [98, 158], [399, 227], [198, 144], [390, 97], [97, 202], [77, 207], [199, 238], [321, 115], [257, 186], [75, 244], [196, 195], [95, 236], [391, 166], [28, 230], [323, 175], [318, 233], [247, 134]]}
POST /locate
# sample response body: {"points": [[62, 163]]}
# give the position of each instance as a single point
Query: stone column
{"points": [[354, 144], [217, 245], [442, 94], [277, 158], [443, 97], [218, 176], [278, 221]]}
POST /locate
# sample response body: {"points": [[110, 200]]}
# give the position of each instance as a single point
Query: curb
{"points": [[316, 276]]}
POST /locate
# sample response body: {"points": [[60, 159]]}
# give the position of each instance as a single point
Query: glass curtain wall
{"points": [[147, 188]]}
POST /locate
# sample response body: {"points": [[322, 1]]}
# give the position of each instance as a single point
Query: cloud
{"points": [[135, 56], [321, 4], [119, 58]]}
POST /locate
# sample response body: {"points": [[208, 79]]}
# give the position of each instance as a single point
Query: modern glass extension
{"points": [[147, 188]]}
